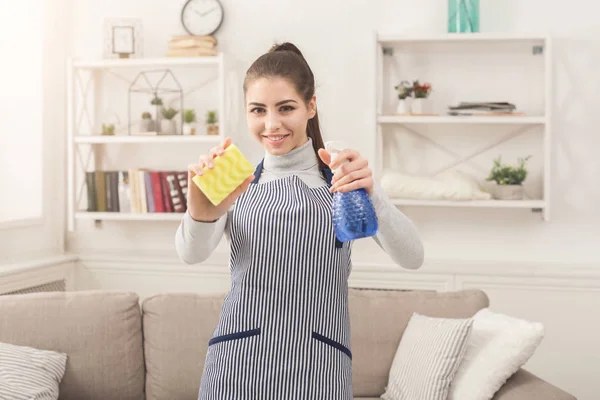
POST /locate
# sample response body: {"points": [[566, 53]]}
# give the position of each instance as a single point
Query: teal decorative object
{"points": [[463, 16]]}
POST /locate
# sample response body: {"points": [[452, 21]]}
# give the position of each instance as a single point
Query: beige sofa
{"points": [[121, 348]]}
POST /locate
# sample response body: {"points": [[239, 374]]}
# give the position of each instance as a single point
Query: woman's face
{"points": [[277, 116]]}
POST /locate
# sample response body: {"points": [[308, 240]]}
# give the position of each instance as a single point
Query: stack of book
{"points": [[483, 108], [192, 46]]}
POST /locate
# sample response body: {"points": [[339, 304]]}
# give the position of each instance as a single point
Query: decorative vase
{"points": [[508, 192], [403, 107], [167, 127], [189, 129], [147, 125], [420, 105], [463, 16]]}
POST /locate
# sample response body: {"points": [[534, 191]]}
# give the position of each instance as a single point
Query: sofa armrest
{"points": [[524, 385]]}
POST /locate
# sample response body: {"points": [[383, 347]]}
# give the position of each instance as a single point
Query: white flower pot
{"points": [[420, 106], [168, 127], [147, 125], [508, 192], [403, 106], [189, 129]]}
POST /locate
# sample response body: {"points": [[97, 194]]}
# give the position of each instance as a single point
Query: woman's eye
{"points": [[256, 110], [287, 108]]}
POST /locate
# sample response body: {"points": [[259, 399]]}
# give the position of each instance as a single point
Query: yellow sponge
{"points": [[230, 171]]}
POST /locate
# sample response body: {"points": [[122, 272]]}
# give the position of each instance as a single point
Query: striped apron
{"points": [[284, 329]]}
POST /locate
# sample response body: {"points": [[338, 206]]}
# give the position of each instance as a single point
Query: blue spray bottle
{"points": [[353, 212]]}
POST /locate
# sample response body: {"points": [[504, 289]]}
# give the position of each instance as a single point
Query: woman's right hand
{"points": [[199, 206]]}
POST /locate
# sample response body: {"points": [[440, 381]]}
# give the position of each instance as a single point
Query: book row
{"points": [[137, 191]]}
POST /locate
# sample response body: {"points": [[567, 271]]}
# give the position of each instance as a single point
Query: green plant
{"points": [[505, 174], [146, 115], [189, 116], [156, 101], [421, 91], [108, 129], [169, 113], [404, 89], [211, 117]]}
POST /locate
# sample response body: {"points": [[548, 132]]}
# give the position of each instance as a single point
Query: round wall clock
{"points": [[202, 17]]}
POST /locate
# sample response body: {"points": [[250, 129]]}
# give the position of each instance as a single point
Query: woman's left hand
{"points": [[352, 173]]}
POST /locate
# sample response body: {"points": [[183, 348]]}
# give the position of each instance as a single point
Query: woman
{"points": [[284, 329]]}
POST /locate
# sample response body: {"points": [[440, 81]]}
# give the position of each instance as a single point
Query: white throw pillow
{"points": [[427, 358], [448, 185], [30, 374], [498, 346]]}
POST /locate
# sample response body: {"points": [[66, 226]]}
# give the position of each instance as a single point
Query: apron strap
{"points": [[327, 174]]}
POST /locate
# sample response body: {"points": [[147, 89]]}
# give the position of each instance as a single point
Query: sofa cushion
{"points": [[30, 374], [378, 319], [99, 331], [177, 328], [427, 358]]}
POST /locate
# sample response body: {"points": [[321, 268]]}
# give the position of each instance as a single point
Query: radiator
{"points": [[55, 286]]}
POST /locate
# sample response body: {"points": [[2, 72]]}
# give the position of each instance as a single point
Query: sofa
{"points": [[122, 347]]}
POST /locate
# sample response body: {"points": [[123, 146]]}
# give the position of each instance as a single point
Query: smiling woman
{"points": [[21, 44]]}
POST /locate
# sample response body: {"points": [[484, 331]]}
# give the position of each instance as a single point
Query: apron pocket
{"points": [[332, 343], [234, 336]]}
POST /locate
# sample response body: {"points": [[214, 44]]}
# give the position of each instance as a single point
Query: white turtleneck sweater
{"points": [[397, 236]]}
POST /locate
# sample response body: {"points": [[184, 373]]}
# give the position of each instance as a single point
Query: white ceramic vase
{"points": [[403, 107], [420, 106]]}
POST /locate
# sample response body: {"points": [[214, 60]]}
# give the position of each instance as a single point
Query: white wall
{"points": [[533, 269]]}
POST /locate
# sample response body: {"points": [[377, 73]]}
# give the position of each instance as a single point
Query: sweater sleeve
{"points": [[397, 235], [195, 241]]}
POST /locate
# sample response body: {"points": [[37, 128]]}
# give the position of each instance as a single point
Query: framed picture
{"points": [[123, 38]]}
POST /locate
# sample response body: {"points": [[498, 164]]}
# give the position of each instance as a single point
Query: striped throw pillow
{"points": [[30, 374], [427, 358]]}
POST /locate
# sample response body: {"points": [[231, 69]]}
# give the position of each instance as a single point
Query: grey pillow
{"points": [[427, 358], [30, 374]]}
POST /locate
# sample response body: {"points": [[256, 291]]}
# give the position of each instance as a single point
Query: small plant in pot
{"points": [[212, 126], [404, 90], [168, 126], [157, 103], [146, 124], [189, 119], [509, 179], [108, 129], [420, 104]]}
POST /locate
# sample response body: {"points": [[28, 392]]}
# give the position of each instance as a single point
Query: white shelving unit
{"points": [[87, 75], [409, 58]]}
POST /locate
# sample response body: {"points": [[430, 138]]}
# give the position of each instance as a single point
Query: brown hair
{"points": [[286, 61]]}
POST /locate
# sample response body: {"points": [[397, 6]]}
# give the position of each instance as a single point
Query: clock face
{"points": [[202, 17]]}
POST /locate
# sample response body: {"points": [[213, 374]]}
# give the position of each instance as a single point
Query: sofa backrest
{"points": [[100, 331], [177, 327]]}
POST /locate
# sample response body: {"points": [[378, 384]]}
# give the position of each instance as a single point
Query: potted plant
{"points": [[108, 129], [146, 124], [509, 179], [157, 103], [421, 93], [189, 119], [212, 127], [404, 90], [168, 125]]}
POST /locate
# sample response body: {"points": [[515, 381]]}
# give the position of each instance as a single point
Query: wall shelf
{"points": [[465, 67], [442, 119], [98, 90], [165, 139], [116, 216]]}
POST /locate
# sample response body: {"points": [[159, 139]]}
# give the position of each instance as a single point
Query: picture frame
{"points": [[123, 38]]}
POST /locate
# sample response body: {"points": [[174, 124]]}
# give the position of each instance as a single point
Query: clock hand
{"points": [[208, 12]]}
